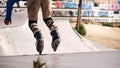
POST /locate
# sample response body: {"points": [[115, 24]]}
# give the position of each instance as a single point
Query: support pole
{"points": [[79, 15]]}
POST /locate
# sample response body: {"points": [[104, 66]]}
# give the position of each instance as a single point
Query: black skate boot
{"points": [[55, 39], [54, 33], [38, 35], [39, 42]]}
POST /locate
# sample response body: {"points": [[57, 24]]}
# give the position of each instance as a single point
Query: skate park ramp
{"points": [[16, 42], [19, 40]]}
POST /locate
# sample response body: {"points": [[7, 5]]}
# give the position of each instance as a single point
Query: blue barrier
{"points": [[88, 13], [103, 14], [70, 5], [86, 6], [118, 1]]}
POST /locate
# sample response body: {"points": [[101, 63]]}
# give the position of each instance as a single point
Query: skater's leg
{"points": [[46, 8], [33, 8], [46, 11]]}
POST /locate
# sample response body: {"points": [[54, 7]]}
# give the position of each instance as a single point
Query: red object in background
{"points": [[57, 4]]}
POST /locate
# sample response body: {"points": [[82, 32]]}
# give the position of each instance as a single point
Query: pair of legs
{"points": [[33, 9]]}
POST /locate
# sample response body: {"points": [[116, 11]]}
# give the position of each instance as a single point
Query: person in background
{"points": [[9, 8]]}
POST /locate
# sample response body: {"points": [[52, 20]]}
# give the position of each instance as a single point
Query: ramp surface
{"points": [[20, 41], [108, 59]]}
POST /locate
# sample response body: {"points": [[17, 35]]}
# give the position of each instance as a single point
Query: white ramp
{"points": [[70, 42], [20, 40]]}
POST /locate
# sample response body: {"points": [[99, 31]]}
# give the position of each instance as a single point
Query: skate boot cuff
{"points": [[47, 19], [33, 26], [32, 21], [49, 22]]}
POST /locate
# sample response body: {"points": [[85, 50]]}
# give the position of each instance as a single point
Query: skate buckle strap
{"points": [[49, 23], [52, 28], [32, 25]]}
